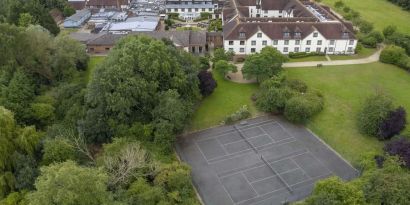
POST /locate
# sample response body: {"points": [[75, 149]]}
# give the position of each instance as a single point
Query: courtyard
{"points": [[264, 160]]}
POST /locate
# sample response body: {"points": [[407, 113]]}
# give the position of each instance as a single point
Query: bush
{"points": [[304, 54], [339, 4], [374, 111], [207, 83], [204, 63], [241, 114], [401, 148], [300, 108], [365, 26], [394, 123], [393, 55], [297, 85]]}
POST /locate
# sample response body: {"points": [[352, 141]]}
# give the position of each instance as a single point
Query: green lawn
{"points": [[92, 64], [365, 52], [380, 12], [227, 98], [309, 58], [344, 89]]}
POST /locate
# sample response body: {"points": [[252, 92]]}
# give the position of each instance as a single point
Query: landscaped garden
{"points": [[227, 98], [345, 89]]}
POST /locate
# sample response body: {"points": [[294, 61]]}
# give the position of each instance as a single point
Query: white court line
{"points": [[301, 167], [199, 148], [249, 183], [223, 186]]}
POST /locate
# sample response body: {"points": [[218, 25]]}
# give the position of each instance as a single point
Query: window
{"points": [[196, 9], [264, 43], [242, 34], [241, 43], [231, 43], [319, 42], [286, 34], [285, 49], [315, 34], [169, 10], [241, 50], [253, 50], [297, 34], [259, 35], [350, 49], [297, 42], [296, 49], [307, 49], [286, 42], [331, 49], [275, 42], [189, 10], [266, 11], [203, 9], [210, 9], [176, 10], [183, 9], [332, 42], [345, 35], [107, 49], [308, 42], [253, 43], [351, 42], [318, 50], [230, 49]]}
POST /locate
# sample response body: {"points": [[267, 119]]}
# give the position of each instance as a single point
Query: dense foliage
{"points": [[143, 80], [263, 65], [223, 67], [207, 83], [395, 55], [378, 117], [403, 3], [240, 114], [289, 97], [401, 148]]}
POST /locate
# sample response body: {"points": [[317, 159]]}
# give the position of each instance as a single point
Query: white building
{"points": [[190, 9], [300, 28]]}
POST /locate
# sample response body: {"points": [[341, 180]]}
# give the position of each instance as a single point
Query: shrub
{"points": [[374, 110], [297, 85], [302, 107], [207, 83], [392, 54], [389, 30], [377, 35], [394, 123], [339, 4], [204, 63], [241, 114], [369, 41], [365, 26], [304, 54], [401, 148]]}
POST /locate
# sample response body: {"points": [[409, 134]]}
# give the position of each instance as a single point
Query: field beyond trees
{"points": [[380, 12], [344, 89]]}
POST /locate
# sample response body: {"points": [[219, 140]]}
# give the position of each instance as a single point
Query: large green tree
{"points": [[131, 83], [263, 65], [69, 184]]}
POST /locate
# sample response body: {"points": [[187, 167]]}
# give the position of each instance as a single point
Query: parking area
{"points": [[261, 161]]}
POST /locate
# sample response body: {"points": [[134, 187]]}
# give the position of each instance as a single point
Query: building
{"points": [[287, 25], [77, 4], [77, 19], [108, 4], [190, 41], [190, 9], [140, 23]]}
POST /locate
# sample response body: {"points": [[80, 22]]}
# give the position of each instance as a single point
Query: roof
{"points": [[110, 3], [179, 38], [77, 4], [330, 30], [84, 37], [79, 15]]}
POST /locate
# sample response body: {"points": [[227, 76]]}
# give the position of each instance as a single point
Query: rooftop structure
{"points": [[77, 19], [77, 4], [141, 23], [190, 9], [117, 4]]}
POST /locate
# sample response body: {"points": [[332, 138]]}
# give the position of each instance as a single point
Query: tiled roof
{"points": [[77, 5], [275, 30], [107, 2]]}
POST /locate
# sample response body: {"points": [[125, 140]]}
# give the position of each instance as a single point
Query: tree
{"points": [[68, 11], [58, 150], [141, 192], [207, 83], [43, 114], [365, 27], [263, 65], [221, 54], [333, 191], [394, 123], [223, 67], [273, 95], [389, 30], [68, 184], [25, 20], [373, 112], [25, 171], [401, 148], [125, 161], [137, 74]]}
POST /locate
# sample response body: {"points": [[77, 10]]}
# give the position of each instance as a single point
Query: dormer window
{"points": [[286, 34], [298, 34], [242, 34], [259, 35], [345, 35]]}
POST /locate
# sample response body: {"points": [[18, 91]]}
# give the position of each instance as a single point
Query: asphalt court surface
{"points": [[263, 161]]}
